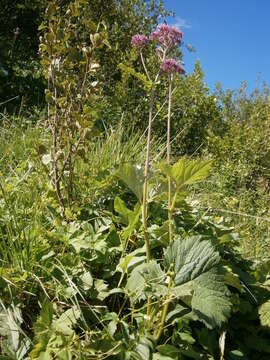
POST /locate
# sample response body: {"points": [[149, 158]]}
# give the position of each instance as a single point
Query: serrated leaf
{"points": [[130, 261], [144, 277], [144, 348], [189, 258], [159, 235], [87, 280], [122, 210], [210, 301], [194, 263], [264, 312], [177, 312], [86, 241], [185, 171]]}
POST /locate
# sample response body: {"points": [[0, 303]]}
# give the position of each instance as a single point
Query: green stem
{"points": [[164, 313], [173, 201], [146, 173], [169, 156], [145, 192]]}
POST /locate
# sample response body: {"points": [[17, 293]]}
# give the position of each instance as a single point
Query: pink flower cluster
{"points": [[170, 66], [167, 36], [139, 41]]}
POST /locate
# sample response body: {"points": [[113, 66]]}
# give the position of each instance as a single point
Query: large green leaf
{"points": [[186, 171], [146, 279], [189, 258], [144, 348], [210, 301], [194, 263], [122, 210], [133, 177]]}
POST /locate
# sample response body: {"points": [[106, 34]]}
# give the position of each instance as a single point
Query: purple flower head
{"points": [[167, 36], [139, 41], [171, 66]]}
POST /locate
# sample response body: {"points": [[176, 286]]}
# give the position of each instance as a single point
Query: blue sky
{"points": [[232, 39]]}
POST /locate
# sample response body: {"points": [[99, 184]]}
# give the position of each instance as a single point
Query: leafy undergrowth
{"points": [[80, 288]]}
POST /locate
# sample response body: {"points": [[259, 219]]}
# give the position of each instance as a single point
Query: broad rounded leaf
{"points": [[194, 263], [189, 258]]}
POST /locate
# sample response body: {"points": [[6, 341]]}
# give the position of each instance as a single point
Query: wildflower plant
{"points": [[168, 39], [186, 265]]}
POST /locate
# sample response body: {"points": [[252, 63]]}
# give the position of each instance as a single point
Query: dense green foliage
{"points": [[20, 74], [75, 280]]}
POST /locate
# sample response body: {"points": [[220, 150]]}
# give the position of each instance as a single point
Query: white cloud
{"points": [[181, 23]]}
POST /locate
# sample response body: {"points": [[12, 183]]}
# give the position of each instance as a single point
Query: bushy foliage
{"points": [[241, 153], [20, 70], [20, 73], [195, 114]]}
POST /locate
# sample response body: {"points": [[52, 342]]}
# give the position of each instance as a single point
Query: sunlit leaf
{"points": [[66, 321], [189, 258], [211, 302], [185, 171], [132, 176]]}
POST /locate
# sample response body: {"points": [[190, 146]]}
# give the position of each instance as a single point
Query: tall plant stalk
{"points": [[146, 174], [170, 204], [167, 38], [169, 156], [147, 158]]}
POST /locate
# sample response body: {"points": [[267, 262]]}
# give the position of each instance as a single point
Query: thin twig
{"points": [[144, 66], [7, 101]]}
